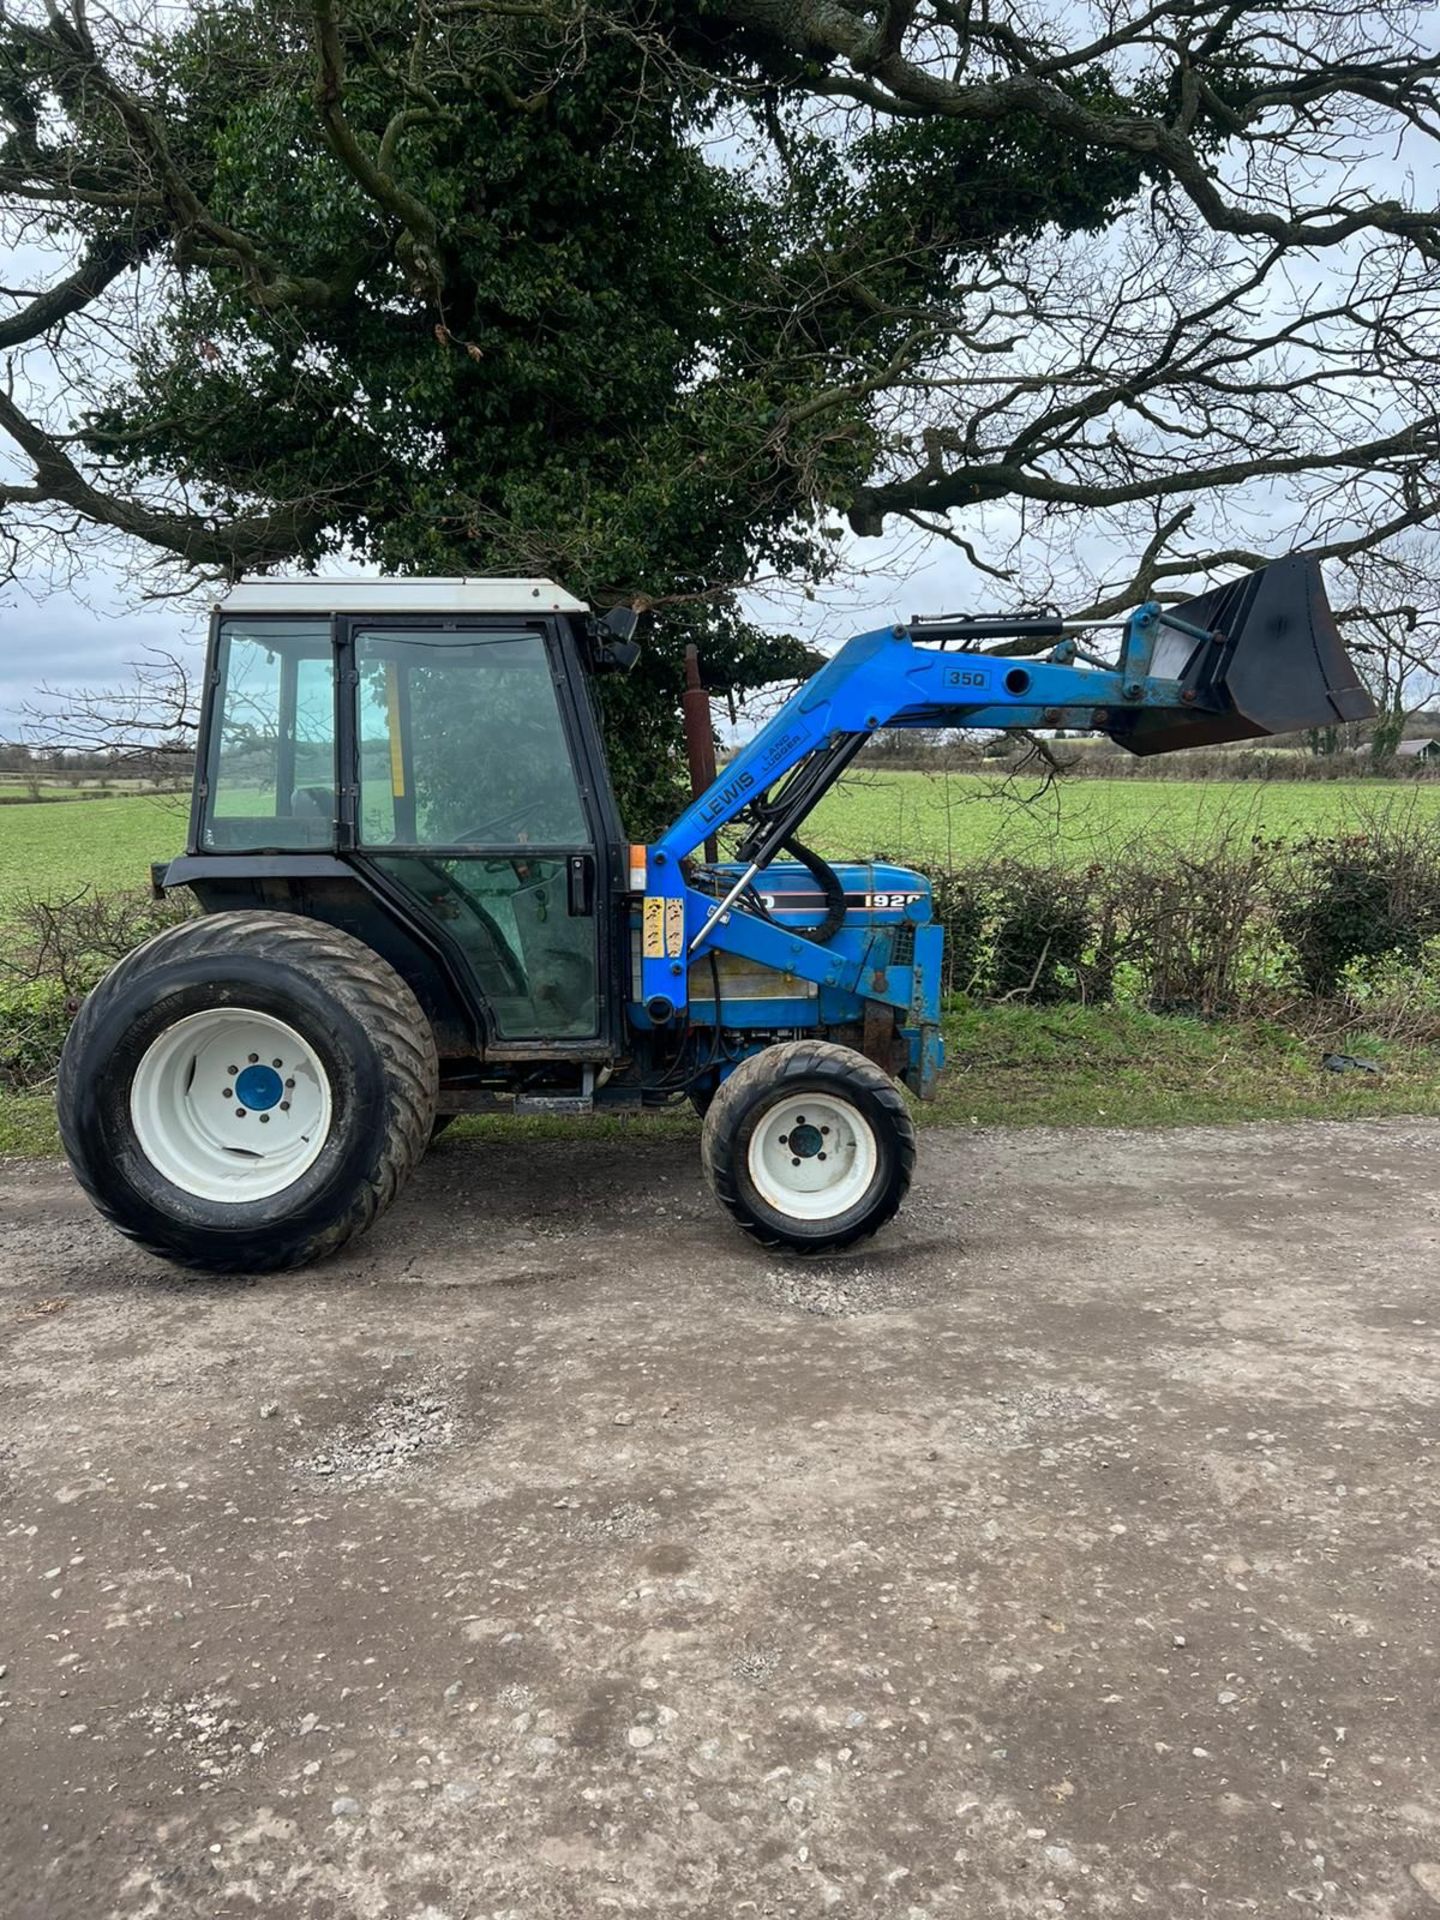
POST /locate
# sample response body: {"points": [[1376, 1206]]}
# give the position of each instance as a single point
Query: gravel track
{"points": [[1071, 1549]]}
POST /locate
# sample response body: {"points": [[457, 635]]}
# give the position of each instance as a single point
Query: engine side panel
{"points": [[888, 934]]}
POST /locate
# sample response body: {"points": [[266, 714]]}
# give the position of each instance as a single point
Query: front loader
{"points": [[418, 901]]}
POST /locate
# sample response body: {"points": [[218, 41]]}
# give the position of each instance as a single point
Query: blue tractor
{"points": [[418, 901]]}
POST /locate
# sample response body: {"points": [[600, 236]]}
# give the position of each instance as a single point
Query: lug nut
{"points": [[824, 1129], [284, 1106], [232, 1071], [227, 1093], [253, 1058], [290, 1084], [784, 1139], [277, 1063], [240, 1113], [822, 1156], [794, 1163], [264, 1119]]}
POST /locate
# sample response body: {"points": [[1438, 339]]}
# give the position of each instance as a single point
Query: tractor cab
{"points": [[419, 760]]}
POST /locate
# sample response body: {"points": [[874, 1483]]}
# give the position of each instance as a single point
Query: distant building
{"points": [[1418, 750]]}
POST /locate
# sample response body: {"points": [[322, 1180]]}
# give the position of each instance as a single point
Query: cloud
{"points": [[86, 637]]}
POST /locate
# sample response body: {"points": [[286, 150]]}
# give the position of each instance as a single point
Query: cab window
{"points": [[270, 782], [462, 743]]}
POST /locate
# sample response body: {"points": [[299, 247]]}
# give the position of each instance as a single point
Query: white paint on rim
{"points": [[812, 1156], [195, 1131]]}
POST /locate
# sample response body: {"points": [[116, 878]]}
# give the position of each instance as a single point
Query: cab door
{"points": [[474, 795]]}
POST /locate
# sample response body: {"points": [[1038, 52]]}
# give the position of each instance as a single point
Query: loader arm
{"points": [[1260, 655]]}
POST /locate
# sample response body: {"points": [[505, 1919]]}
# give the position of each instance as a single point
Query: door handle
{"points": [[580, 885]]}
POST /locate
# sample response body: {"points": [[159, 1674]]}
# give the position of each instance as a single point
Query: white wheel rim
{"points": [[230, 1105], [812, 1156]]}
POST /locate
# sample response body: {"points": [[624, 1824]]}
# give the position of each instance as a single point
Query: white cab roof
{"points": [[404, 595]]}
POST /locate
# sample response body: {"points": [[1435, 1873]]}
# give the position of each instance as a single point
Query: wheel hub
{"points": [[259, 1088]]}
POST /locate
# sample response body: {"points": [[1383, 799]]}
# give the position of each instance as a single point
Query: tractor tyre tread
{"points": [[355, 975], [797, 1060]]}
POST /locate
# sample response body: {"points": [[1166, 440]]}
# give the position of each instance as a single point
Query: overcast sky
{"points": [[90, 633], [68, 641]]}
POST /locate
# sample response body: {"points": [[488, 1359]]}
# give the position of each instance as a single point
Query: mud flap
{"points": [[1271, 661]]}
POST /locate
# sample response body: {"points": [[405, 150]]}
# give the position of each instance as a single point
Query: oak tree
{"points": [[665, 299]]}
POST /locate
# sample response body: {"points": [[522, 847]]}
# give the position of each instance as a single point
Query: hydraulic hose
{"points": [[830, 885]]}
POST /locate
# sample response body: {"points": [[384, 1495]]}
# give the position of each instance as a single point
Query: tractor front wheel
{"points": [[809, 1146], [247, 1091]]}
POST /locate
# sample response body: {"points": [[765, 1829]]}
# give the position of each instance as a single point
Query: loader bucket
{"points": [[1272, 662]]}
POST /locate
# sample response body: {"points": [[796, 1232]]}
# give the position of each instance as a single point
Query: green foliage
{"points": [[962, 908], [34, 1018], [1388, 732], [600, 351], [1192, 925], [52, 951], [1361, 899], [956, 185], [1228, 927]]}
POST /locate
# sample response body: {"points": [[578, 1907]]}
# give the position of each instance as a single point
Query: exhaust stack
{"points": [[1268, 659]]}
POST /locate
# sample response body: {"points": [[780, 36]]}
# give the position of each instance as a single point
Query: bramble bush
{"points": [[1243, 926], [1044, 933], [51, 953], [1361, 898]]}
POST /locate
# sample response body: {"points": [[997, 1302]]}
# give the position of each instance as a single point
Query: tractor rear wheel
{"points": [[246, 1091], [809, 1146]]}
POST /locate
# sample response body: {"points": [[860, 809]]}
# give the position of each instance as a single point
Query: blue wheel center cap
{"points": [[258, 1088], [805, 1141]]}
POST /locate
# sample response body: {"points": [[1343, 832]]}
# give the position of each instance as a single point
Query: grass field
{"points": [[953, 818], [108, 844], [1012, 1065], [942, 818]]}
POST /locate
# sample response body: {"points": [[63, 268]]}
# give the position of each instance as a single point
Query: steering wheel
{"points": [[510, 968], [492, 829]]}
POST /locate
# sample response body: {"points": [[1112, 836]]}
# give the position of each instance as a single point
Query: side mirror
{"points": [[620, 656], [612, 647]]}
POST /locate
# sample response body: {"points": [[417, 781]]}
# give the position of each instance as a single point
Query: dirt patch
{"points": [[557, 1554]]}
